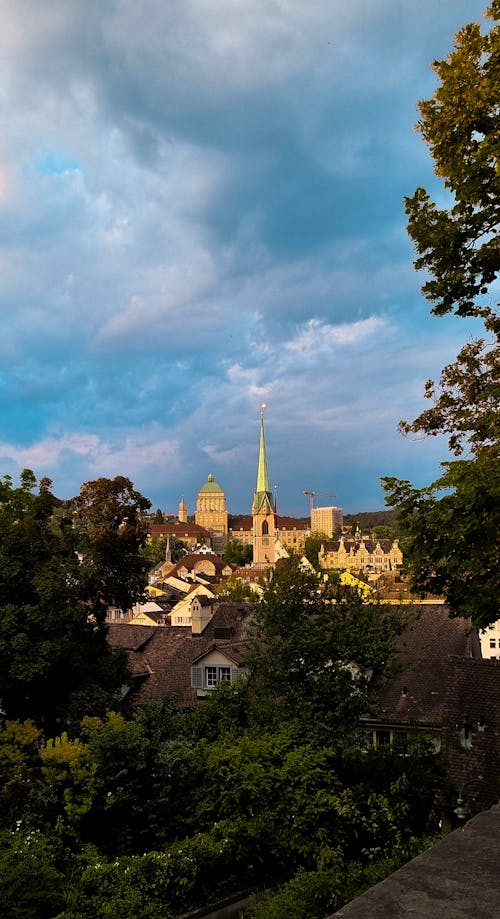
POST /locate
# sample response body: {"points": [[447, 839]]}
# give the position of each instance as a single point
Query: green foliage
{"points": [[237, 553], [188, 874], [453, 524], [54, 659], [457, 245], [31, 882], [155, 548], [383, 532], [312, 546], [111, 532], [237, 590], [20, 768], [453, 546], [315, 647], [143, 774], [314, 894]]}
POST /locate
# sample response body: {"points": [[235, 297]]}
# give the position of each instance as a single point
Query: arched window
{"points": [[265, 528]]}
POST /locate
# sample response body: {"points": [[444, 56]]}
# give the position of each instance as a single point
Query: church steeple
{"points": [[264, 520], [262, 497]]}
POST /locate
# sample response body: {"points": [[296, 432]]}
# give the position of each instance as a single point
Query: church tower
{"points": [[183, 514], [264, 522]]}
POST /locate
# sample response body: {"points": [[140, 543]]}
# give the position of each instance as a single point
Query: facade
{"points": [[328, 520], [490, 641], [355, 554], [292, 531], [190, 533], [211, 512]]}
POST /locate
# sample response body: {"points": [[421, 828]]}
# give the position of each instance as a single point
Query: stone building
{"points": [[361, 554], [211, 513]]}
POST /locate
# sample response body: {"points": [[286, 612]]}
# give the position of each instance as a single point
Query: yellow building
{"points": [[211, 512], [328, 520], [361, 554]]}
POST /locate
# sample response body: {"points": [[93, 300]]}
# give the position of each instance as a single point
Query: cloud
{"points": [[201, 207]]}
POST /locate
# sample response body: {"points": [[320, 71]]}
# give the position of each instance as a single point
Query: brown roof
{"points": [[167, 654], [194, 558], [419, 690], [178, 529]]}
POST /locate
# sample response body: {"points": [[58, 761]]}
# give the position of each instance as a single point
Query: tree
{"points": [[454, 522], [111, 531], [237, 553], [312, 546], [155, 548], [318, 649], [453, 538], [55, 662], [458, 245]]}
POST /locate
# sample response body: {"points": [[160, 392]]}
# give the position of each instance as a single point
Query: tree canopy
{"points": [[458, 245], [319, 649], [55, 662], [453, 524]]}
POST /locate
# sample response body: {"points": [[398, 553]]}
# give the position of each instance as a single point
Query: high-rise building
{"points": [[328, 520]]}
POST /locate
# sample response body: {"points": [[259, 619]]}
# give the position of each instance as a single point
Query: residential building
{"points": [[328, 520], [162, 659], [490, 641]]}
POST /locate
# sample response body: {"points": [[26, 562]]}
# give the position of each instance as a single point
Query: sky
{"points": [[201, 208]]}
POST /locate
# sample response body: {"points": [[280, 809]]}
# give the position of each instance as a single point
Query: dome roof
{"points": [[210, 486]]}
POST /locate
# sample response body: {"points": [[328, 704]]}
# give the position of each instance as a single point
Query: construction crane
{"points": [[313, 494]]}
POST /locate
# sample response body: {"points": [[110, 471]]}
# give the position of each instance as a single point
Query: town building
{"points": [[490, 641], [211, 513], [360, 554], [192, 534], [327, 520]]}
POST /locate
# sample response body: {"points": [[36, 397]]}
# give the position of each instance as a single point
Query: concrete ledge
{"points": [[458, 878]]}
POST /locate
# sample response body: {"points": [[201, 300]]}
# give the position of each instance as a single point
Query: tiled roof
{"points": [[418, 692], [192, 558], [167, 653], [176, 528]]}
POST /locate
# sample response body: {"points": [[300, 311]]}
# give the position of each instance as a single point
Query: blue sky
{"points": [[200, 209]]}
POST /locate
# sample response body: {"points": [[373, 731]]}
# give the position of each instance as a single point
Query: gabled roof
{"points": [[166, 654], [234, 653]]}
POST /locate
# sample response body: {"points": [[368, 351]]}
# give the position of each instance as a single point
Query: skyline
{"points": [[201, 209]]}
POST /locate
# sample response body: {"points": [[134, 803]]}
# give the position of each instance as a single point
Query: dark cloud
{"points": [[201, 205]]}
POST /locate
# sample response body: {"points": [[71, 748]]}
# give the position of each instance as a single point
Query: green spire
{"points": [[262, 498]]}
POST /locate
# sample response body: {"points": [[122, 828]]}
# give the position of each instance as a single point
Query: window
{"points": [[265, 528], [382, 738], [493, 643], [400, 741], [208, 677]]}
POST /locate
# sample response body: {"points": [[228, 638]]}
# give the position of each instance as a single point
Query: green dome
{"points": [[210, 486]]}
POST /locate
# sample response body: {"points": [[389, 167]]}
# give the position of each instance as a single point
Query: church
{"points": [[271, 535]]}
